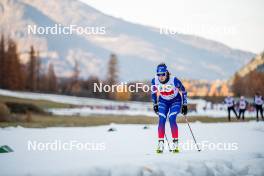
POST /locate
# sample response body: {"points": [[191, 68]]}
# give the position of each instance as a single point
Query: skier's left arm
{"points": [[181, 88]]}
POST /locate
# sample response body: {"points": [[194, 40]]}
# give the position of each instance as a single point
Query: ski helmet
{"points": [[162, 69]]}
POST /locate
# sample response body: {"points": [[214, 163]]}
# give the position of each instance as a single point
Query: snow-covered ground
{"points": [[88, 106], [131, 151]]}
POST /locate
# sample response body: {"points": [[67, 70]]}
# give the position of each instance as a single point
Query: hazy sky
{"points": [[237, 23]]}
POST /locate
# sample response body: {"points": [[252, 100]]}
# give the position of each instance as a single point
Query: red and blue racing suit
{"points": [[169, 101]]}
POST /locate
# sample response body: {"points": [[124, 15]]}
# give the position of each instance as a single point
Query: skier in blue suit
{"points": [[168, 102]]}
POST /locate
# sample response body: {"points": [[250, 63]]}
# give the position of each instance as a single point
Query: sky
{"points": [[236, 23]]}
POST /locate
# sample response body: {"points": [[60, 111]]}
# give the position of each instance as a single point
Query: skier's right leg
{"points": [[161, 128], [161, 133], [163, 110]]}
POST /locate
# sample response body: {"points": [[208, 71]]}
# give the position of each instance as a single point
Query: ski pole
{"points": [[192, 134], [167, 141]]}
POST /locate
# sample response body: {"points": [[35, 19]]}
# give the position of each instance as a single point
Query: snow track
{"points": [[131, 151]]}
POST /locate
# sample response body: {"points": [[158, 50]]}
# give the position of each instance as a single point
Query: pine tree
{"points": [[38, 68], [75, 86], [32, 70], [76, 72], [52, 79], [2, 62], [112, 75], [14, 76]]}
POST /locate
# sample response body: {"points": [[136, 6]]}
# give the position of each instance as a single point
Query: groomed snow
{"points": [[131, 151]]}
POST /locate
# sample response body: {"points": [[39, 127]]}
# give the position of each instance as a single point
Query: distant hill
{"points": [[250, 78], [139, 48], [257, 63]]}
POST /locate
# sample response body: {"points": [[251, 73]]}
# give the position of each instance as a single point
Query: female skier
{"points": [[168, 102]]}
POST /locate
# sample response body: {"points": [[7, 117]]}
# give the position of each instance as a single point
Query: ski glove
{"points": [[156, 108], [184, 109]]}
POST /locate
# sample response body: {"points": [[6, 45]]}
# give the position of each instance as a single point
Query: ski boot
{"points": [[175, 146], [160, 146]]}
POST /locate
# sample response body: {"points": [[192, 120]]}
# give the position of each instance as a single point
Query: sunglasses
{"points": [[161, 74]]}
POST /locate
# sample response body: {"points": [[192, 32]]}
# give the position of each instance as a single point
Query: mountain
{"points": [[139, 48], [256, 63]]}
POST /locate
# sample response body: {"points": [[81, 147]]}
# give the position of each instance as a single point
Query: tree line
{"points": [[33, 76], [15, 75], [249, 84]]}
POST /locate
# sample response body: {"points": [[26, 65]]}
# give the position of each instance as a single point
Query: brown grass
{"points": [[42, 121], [39, 103]]}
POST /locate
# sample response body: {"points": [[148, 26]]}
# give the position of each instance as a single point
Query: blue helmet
{"points": [[161, 69]]}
